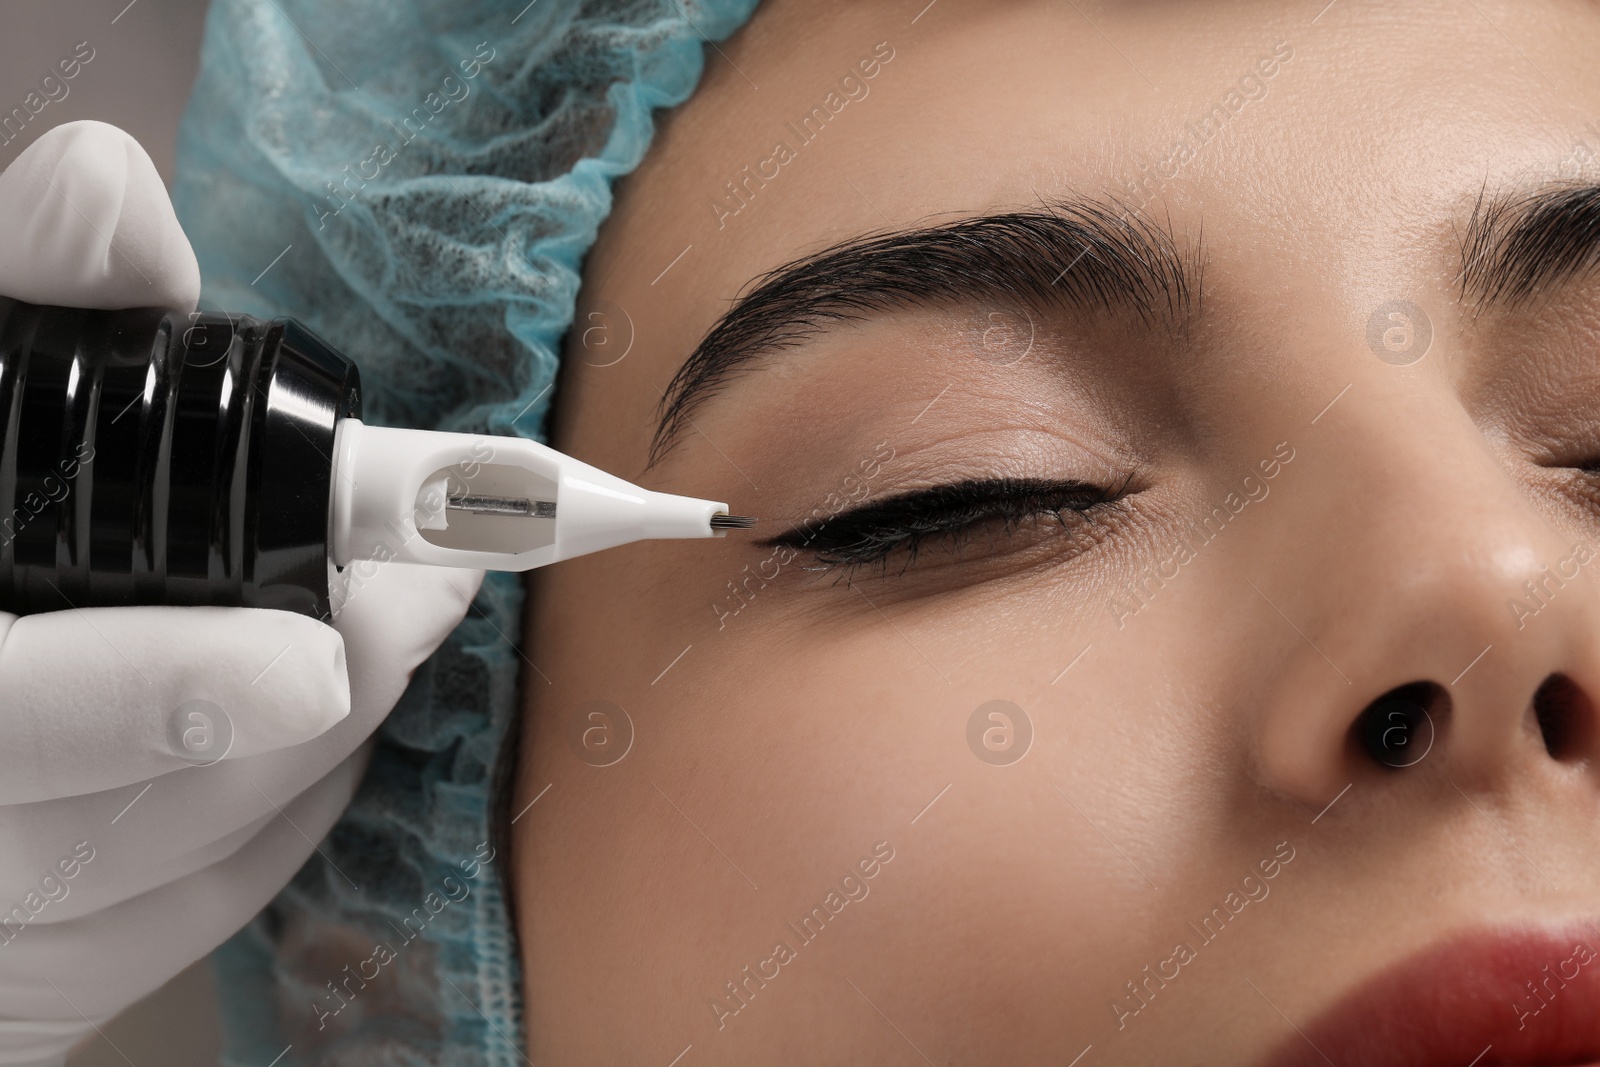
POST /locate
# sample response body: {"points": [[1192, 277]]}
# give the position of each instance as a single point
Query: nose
{"points": [[1442, 616]]}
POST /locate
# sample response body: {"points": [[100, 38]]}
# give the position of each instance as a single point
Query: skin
{"points": [[1196, 737]]}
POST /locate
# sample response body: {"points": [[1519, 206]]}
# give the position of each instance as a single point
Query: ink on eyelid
{"points": [[901, 524]]}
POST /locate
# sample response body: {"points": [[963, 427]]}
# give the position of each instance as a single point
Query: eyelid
{"points": [[875, 530]]}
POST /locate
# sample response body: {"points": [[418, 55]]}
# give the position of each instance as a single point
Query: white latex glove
{"points": [[121, 861]]}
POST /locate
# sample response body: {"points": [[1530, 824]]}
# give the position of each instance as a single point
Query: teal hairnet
{"points": [[418, 181]]}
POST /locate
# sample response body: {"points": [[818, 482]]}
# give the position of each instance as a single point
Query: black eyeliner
{"points": [[870, 532]]}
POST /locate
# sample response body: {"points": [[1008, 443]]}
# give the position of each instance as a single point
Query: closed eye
{"points": [[906, 524]]}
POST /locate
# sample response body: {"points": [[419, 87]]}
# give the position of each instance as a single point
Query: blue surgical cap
{"points": [[417, 181]]}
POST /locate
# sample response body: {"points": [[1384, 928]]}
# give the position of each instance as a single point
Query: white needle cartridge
{"points": [[491, 502]]}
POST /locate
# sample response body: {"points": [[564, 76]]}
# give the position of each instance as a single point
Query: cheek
{"points": [[772, 756]]}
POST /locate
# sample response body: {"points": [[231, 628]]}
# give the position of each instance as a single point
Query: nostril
{"points": [[1398, 728], [1564, 713]]}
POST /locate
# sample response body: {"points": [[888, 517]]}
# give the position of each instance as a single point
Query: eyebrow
{"points": [[1520, 243], [1083, 254]]}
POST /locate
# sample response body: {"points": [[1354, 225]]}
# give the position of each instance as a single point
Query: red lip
{"points": [[1467, 1001]]}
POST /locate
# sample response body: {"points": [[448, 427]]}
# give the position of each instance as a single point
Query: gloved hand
{"points": [[126, 853]]}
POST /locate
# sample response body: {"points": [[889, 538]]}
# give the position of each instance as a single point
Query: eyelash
{"points": [[873, 532]]}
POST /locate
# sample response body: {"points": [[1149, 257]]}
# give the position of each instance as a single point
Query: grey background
{"points": [[146, 55]]}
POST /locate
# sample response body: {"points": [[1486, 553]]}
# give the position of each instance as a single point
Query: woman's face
{"points": [[1180, 612]]}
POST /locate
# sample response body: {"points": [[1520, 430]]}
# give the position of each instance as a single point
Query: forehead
{"points": [[1327, 151]]}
